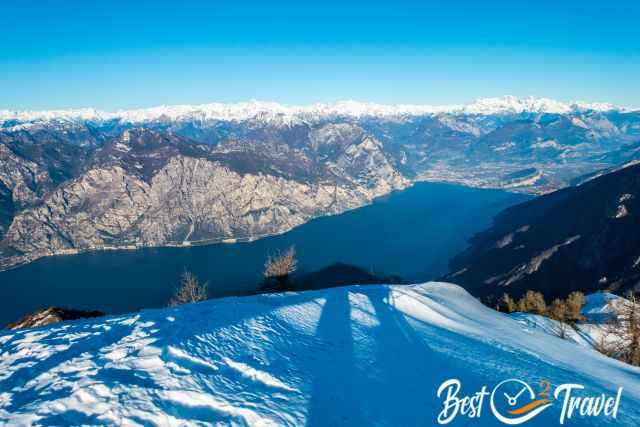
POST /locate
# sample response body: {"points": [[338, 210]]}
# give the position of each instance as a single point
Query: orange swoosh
{"points": [[529, 407]]}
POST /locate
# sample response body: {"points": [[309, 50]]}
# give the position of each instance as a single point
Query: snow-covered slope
{"points": [[601, 306], [362, 355], [555, 328], [599, 309], [274, 112]]}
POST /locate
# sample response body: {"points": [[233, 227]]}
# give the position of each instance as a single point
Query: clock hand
{"points": [[512, 400], [519, 393]]}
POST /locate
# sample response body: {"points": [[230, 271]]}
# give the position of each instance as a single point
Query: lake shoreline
{"points": [[410, 233]]}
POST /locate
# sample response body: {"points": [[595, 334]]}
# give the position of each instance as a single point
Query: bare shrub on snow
{"points": [[190, 290]]}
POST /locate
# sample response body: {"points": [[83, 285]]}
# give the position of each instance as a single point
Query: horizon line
{"points": [[264, 104]]}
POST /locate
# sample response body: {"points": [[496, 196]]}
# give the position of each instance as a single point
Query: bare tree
{"points": [[575, 302], [558, 311], [604, 346], [532, 302], [507, 304], [278, 269], [190, 290], [624, 331]]}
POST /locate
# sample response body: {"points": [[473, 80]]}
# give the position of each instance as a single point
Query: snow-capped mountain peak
{"points": [[514, 105], [272, 111]]}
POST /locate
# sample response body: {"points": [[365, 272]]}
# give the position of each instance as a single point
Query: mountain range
{"points": [[80, 180]]}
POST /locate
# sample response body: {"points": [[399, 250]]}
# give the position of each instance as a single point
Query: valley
{"points": [[82, 180], [410, 233]]}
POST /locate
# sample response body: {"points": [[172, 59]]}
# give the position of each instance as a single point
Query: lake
{"points": [[412, 234]]}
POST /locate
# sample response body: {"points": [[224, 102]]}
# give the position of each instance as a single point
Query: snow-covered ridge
{"points": [[360, 355], [270, 111]]}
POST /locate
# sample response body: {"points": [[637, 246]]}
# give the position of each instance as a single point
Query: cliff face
{"points": [[148, 189]]}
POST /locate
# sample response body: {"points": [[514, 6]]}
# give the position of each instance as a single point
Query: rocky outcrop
{"points": [[22, 176], [47, 316]]}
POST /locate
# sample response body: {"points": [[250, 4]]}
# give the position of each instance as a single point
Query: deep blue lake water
{"points": [[412, 234]]}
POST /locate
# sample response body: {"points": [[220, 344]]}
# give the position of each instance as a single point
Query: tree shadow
{"points": [[31, 366], [384, 371], [336, 385], [187, 325], [408, 372]]}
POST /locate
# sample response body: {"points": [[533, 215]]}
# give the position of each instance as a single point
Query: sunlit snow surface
{"points": [[363, 355]]}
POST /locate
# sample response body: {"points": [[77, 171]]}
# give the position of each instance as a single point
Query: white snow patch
{"points": [[122, 147], [621, 212], [257, 375], [547, 144], [505, 146]]}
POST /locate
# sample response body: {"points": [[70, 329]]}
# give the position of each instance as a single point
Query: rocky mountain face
{"points": [[80, 180], [579, 238], [151, 188]]}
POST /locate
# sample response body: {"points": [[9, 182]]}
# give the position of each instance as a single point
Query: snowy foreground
{"points": [[362, 355]]}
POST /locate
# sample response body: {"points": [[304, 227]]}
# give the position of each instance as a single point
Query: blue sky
{"points": [[126, 54]]}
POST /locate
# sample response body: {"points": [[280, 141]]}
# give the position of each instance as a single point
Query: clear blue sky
{"points": [[124, 54]]}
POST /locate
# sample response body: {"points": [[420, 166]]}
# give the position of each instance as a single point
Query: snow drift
{"points": [[361, 355]]}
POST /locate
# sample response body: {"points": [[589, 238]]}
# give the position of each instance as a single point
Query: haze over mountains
{"points": [[83, 179]]}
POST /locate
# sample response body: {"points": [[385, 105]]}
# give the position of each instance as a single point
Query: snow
{"points": [[525, 182], [460, 126], [621, 212], [360, 355], [552, 143], [599, 308], [505, 146], [553, 328], [122, 147], [514, 105], [275, 113]]}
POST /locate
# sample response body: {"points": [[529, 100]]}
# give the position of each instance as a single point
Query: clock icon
{"points": [[513, 402]]}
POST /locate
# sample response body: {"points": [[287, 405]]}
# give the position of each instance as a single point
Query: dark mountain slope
{"points": [[581, 238]]}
